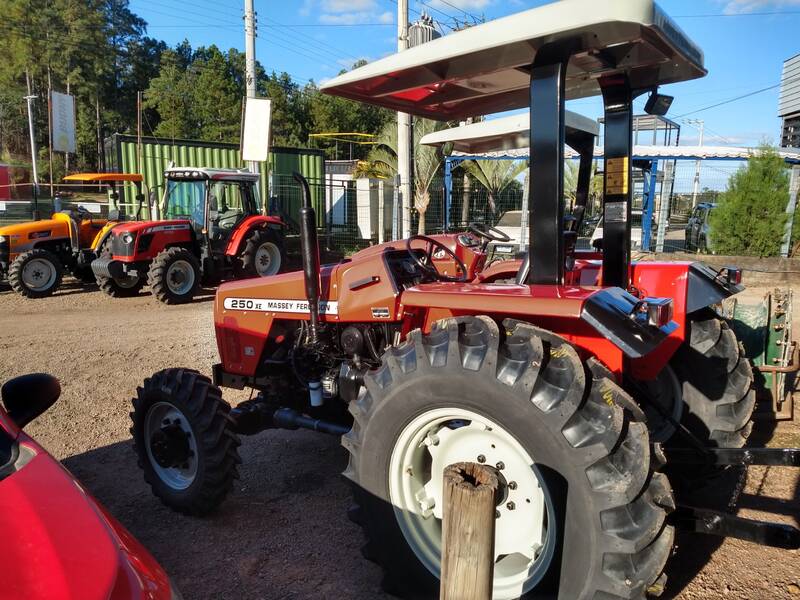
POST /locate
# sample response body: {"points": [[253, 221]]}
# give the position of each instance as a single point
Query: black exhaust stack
{"points": [[309, 248]]}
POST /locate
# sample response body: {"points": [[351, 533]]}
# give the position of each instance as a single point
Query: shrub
{"points": [[750, 217]]}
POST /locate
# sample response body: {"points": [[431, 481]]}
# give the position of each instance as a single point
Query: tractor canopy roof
{"points": [[506, 133], [486, 69], [104, 177], [210, 173]]}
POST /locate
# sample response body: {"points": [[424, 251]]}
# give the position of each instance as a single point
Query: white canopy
{"points": [[506, 133], [790, 155], [486, 69]]}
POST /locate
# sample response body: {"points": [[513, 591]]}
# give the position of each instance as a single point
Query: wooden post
{"points": [[468, 526]]}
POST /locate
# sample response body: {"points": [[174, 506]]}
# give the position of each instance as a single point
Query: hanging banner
{"points": [[256, 129], [62, 118]]}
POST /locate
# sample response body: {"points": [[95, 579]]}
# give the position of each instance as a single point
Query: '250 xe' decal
{"points": [[279, 305]]}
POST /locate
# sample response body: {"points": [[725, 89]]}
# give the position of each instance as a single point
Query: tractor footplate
{"points": [[774, 457], [711, 522]]}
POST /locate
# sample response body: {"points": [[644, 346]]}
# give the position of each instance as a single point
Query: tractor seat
{"points": [[570, 240]]}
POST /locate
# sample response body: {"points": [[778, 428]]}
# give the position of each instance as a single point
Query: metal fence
{"points": [[355, 214]]}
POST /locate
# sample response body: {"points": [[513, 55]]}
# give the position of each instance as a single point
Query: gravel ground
{"points": [[283, 534]]}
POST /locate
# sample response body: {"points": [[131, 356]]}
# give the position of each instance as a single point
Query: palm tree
{"points": [[427, 161], [495, 175]]}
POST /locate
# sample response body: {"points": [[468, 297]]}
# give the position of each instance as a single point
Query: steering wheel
{"points": [[83, 213], [490, 234], [426, 262]]}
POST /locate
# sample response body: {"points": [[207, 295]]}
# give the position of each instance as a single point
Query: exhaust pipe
{"points": [[309, 248]]}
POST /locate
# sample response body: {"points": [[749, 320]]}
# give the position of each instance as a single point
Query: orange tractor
{"points": [[211, 229], [600, 391], [34, 255]]}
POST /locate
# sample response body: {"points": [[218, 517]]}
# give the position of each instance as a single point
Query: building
{"points": [[789, 103]]}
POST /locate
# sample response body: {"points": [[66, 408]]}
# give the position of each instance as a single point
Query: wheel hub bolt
{"points": [[501, 465], [512, 485], [166, 422], [497, 514], [481, 458], [511, 506]]}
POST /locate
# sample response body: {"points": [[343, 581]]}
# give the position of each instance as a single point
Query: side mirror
{"points": [[28, 396]]}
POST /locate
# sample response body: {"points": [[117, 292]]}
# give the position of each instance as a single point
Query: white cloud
{"points": [[462, 4], [305, 8], [347, 6], [350, 18], [387, 17], [736, 7]]}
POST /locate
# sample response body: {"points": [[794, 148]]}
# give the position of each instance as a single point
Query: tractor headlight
{"points": [[656, 312], [128, 238], [3, 239]]}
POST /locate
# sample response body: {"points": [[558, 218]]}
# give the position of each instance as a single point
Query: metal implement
{"points": [[711, 522], [765, 330]]}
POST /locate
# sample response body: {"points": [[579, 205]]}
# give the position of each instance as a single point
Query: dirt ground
{"points": [[284, 533]]}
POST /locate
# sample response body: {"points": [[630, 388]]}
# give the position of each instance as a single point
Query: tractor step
{"points": [[712, 522], [773, 457]]}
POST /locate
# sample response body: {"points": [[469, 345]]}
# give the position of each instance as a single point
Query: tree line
{"points": [[99, 51]]}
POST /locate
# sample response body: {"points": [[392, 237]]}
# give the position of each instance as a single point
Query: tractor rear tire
{"points": [[262, 255], [118, 288], [36, 273], [716, 382], [174, 276], [525, 396], [179, 415]]}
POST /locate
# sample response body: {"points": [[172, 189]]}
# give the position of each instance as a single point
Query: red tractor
{"points": [[211, 229], [591, 385]]}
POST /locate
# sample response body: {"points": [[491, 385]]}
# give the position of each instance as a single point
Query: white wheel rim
{"points": [[524, 537], [180, 277], [268, 259], [160, 414], [39, 274]]}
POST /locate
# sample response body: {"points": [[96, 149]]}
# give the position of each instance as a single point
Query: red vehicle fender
{"points": [[245, 227]]}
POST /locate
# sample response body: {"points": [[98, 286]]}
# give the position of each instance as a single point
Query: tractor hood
{"points": [[23, 230], [141, 227]]}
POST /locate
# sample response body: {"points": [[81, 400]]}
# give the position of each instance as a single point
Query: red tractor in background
{"points": [[210, 229], [600, 391]]}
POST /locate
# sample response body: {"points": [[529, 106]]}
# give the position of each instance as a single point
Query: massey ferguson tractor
{"points": [[34, 255], [211, 229], [601, 392]]}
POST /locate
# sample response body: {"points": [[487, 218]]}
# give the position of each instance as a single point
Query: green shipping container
{"points": [[157, 154]]}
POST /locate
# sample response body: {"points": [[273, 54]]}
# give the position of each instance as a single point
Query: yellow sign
{"points": [[617, 175]]}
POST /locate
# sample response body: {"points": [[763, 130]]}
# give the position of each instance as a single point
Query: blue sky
{"points": [[744, 41]]}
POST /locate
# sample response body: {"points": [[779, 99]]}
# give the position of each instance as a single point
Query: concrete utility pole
{"points": [[404, 129], [30, 98], [700, 124], [250, 58]]}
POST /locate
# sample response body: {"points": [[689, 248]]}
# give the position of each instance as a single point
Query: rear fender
{"points": [[692, 287], [597, 322], [243, 230]]}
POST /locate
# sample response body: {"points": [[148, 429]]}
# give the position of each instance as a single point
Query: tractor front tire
{"points": [[118, 288], [716, 382], [174, 276], [262, 255], [184, 440], [36, 273], [581, 511]]}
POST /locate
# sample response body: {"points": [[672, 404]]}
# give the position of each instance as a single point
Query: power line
{"points": [[728, 101], [460, 9]]}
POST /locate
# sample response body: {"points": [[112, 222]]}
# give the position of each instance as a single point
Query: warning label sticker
{"points": [[617, 175]]}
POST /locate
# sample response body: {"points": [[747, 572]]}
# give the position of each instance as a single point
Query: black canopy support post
{"points": [[617, 184], [546, 188], [583, 143]]}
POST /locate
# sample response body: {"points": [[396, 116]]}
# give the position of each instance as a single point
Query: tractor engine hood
{"points": [[21, 232], [143, 227]]}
